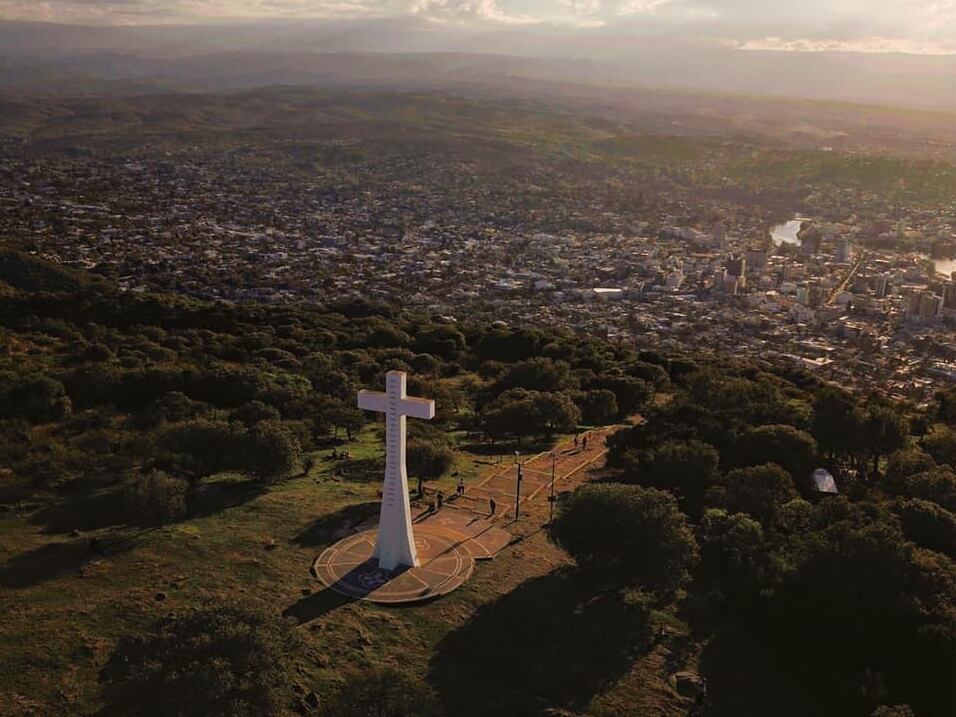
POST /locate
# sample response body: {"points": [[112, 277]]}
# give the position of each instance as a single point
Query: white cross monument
{"points": [[395, 545]]}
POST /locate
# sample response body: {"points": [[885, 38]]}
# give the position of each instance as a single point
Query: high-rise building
{"points": [[929, 305], [949, 295], [720, 235], [737, 266], [843, 251], [882, 288], [756, 260]]}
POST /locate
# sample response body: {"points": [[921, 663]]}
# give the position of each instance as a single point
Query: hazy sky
{"points": [[909, 25]]}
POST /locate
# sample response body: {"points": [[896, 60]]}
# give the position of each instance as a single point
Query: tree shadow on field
{"points": [[314, 606], [215, 497], [55, 560], [326, 529], [550, 643], [747, 675], [88, 512], [505, 449], [357, 470]]}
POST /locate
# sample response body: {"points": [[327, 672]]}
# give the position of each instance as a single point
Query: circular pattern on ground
{"points": [[348, 567]]}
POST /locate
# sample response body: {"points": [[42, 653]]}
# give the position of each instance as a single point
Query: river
{"points": [[786, 233], [945, 266]]}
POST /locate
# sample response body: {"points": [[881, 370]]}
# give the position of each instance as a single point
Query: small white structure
{"points": [[395, 545], [821, 481]]}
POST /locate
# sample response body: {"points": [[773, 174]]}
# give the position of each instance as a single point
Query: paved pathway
{"points": [[569, 462], [450, 540]]}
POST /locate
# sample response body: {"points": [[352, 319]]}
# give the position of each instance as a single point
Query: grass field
{"points": [[523, 622]]}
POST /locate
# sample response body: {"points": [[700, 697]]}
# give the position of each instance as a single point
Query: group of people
{"points": [[339, 455], [582, 441], [459, 491], [440, 496]]}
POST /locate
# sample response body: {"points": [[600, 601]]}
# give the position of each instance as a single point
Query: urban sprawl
{"points": [[666, 271]]}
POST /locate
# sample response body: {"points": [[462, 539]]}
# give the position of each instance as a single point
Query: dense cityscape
{"points": [[855, 299]]}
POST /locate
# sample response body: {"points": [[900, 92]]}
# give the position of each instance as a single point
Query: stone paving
{"points": [[569, 462], [349, 569], [450, 540]]}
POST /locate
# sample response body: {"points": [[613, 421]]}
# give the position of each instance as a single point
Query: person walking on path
{"points": [[461, 486], [492, 506], [584, 442], [575, 442]]}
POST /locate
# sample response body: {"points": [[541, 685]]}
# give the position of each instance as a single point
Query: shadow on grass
{"points": [[55, 560], [358, 470], [551, 643], [314, 606], [506, 449], [89, 512], [215, 497], [327, 529], [747, 676]]}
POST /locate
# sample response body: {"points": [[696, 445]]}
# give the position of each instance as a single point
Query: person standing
{"points": [[441, 499], [492, 506], [461, 486]]}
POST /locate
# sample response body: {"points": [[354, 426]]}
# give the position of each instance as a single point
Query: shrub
{"points": [[215, 662], [155, 499], [630, 534], [758, 491], [383, 692]]}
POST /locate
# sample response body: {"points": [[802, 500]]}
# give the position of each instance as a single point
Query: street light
{"points": [[518, 487], [554, 460]]}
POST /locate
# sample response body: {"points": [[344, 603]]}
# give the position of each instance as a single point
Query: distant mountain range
{"points": [[62, 59]]}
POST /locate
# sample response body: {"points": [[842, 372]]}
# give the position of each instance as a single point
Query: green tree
{"points": [[215, 662], [685, 468], [631, 393], [554, 413], [758, 491], [428, 459], [255, 412], [520, 413], [349, 419], [928, 525], [836, 422], [904, 463], [383, 692], [628, 534], [788, 447], [155, 498], [537, 374], [34, 397], [884, 431], [598, 407], [937, 485], [201, 447], [273, 450], [862, 598], [734, 557], [940, 443]]}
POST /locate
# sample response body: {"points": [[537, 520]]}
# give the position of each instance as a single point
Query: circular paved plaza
{"points": [[348, 567]]}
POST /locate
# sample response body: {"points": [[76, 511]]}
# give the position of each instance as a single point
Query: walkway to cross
{"points": [[570, 462]]}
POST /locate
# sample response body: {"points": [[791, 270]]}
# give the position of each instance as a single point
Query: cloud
{"points": [[792, 24]]}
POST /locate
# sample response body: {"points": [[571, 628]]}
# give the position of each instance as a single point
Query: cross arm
{"points": [[373, 401], [419, 408]]}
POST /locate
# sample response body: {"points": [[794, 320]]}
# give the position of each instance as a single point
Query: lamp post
{"points": [[551, 497], [518, 486]]}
